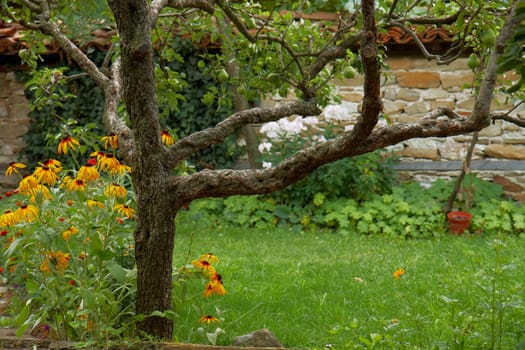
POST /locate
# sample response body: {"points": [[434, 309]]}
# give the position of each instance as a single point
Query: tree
{"points": [[274, 52]]}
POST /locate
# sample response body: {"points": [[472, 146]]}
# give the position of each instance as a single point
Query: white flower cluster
{"points": [[284, 128], [336, 113]]}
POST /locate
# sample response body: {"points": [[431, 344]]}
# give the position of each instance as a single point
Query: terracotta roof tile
{"points": [[11, 40], [11, 35]]}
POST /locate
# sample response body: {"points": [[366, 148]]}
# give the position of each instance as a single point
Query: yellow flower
{"points": [[215, 286], [76, 185], [208, 319], [108, 162], [88, 172], [53, 164], [58, 260], [13, 168], [41, 190], [125, 210], [28, 185], [98, 154], [7, 218], [95, 204], [67, 142], [213, 259], [120, 169], [110, 141], [204, 265], [69, 232], [115, 190], [26, 212], [398, 273], [45, 175], [166, 138]]}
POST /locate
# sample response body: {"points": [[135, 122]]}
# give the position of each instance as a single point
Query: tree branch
{"points": [[158, 5], [74, 52], [111, 119], [371, 104], [187, 146], [223, 183], [481, 114]]}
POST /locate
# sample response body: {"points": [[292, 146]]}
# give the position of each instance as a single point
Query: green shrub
{"points": [[409, 211], [358, 178]]}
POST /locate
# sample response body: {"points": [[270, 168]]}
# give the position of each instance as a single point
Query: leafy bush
{"points": [[359, 178]]}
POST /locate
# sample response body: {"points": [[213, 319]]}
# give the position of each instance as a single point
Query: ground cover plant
{"points": [[404, 211], [326, 290]]}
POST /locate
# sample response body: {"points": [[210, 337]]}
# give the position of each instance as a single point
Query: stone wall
{"points": [[412, 87], [14, 123]]}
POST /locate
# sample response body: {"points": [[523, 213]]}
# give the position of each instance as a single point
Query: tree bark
{"points": [[154, 235]]}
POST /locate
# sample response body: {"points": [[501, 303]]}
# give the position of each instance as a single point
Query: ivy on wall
{"points": [[86, 107]]}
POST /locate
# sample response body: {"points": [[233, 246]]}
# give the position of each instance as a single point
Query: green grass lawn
{"points": [[324, 290]]}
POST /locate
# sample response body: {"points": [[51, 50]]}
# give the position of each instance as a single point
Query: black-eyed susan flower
{"points": [[398, 273], [208, 319], [28, 185], [88, 172], [42, 192], [215, 287], [58, 260], [98, 156], [45, 175], [13, 168], [53, 164], [109, 162], [7, 218], [213, 259], [76, 185], [92, 203], [115, 190], [125, 210], [66, 143], [26, 213], [110, 141], [67, 234], [120, 169], [203, 265], [166, 138]]}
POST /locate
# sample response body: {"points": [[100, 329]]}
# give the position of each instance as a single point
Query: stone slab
{"points": [[503, 165]]}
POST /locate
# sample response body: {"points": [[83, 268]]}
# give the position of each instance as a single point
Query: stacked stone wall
{"points": [[14, 123], [414, 86]]}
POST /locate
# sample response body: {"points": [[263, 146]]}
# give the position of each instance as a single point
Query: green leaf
{"points": [[117, 271]]}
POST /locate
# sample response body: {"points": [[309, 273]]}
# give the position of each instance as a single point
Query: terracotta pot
{"points": [[458, 221]]}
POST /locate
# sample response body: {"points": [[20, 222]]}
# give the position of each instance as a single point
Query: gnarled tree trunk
{"points": [[155, 223]]}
